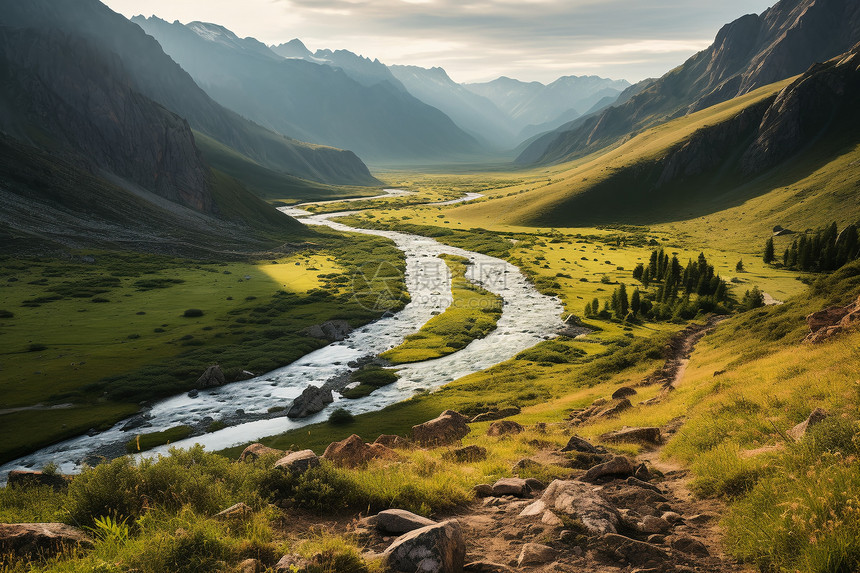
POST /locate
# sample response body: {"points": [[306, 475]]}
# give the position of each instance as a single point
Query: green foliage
{"points": [[370, 378], [825, 250], [769, 251], [340, 417], [192, 313], [107, 528], [144, 442]]}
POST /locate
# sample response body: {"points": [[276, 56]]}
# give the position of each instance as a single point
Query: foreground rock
{"points": [[617, 466], [446, 429], [579, 501], [511, 486], [211, 378], [577, 444], [20, 478], [310, 401], [400, 521], [298, 462], [536, 554], [636, 435], [40, 539], [504, 427], [436, 548], [353, 452], [256, 451], [816, 417]]}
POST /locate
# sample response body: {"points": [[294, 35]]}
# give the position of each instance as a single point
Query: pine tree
{"points": [[635, 301], [740, 266], [623, 301], [768, 251], [639, 271]]}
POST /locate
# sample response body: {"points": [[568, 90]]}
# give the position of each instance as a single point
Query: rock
{"points": [[466, 454], [656, 539], [577, 444], [816, 417], [672, 517], [642, 473], [700, 518], [447, 428], [483, 490], [436, 548], [495, 414], [30, 540], [511, 486], [298, 462], [256, 451], [614, 408], [193, 393], [630, 551], [643, 484], [21, 478], [486, 567], [536, 554], [638, 435], [504, 427], [310, 401], [578, 501], [237, 512], [331, 330], [651, 524], [292, 563], [535, 484], [353, 452], [400, 521], [617, 466], [551, 519], [833, 320], [690, 546], [245, 375], [392, 441], [211, 377], [249, 566], [623, 392]]}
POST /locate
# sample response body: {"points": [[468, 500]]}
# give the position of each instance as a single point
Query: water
{"points": [[527, 318]]}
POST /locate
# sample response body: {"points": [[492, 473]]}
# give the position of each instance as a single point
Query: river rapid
{"points": [[528, 317]]}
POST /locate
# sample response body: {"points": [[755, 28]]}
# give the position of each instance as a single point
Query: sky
{"points": [[479, 40]]}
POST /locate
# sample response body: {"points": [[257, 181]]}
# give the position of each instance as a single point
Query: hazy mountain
{"points": [[154, 75], [476, 114], [533, 103], [314, 102], [292, 49], [750, 52]]}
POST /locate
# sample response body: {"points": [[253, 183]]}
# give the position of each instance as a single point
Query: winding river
{"points": [[527, 318]]}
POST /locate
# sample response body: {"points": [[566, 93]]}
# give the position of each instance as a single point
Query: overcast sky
{"points": [[477, 40]]}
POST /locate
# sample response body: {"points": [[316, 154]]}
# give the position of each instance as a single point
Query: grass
{"points": [[59, 347], [472, 314], [143, 442]]}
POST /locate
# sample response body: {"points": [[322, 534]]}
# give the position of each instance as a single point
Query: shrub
{"points": [[6, 314], [340, 417], [36, 347], [192, 313]]}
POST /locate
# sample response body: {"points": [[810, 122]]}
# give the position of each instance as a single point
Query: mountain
{"points": [[533, 103], [476, 114], [87, 161], [750, 52], [154, 75], [314, 102]]}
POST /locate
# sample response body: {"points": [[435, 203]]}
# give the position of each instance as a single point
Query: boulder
{"points": [[436, 548], [392, 441], [400, 521], [298, 462], [577, 444], [511, 486], [483, 490], [496, 414], [632, 480], [690, 546], [623, 392], [617, 466], [353, 452], [651, 524], [310, 401], [447, 428], [638, 435], [486, 567], [632, 552], [466, 454], [238, 512], [256, 451], [504, 427], [29, 540], [211, 377], [331, 330], [292, 564], [536, 554], [833, 320], [249, 566], [20, 478], [816, 417], [535, 484], [579, 501]]}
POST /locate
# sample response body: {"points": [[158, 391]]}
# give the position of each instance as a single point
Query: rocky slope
{"points": [[748, 53], [154, 75]]}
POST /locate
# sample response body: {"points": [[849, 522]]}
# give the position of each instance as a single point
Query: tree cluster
{"points": [[825, 250]]}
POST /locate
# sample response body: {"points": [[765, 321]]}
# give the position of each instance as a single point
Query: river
{"points": [[528, 317]]}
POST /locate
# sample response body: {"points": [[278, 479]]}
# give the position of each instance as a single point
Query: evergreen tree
{"points": [[646, 278], [768, 251], [740, 266], [635, 302], [595, 307], [638, 272], [623, 301]]}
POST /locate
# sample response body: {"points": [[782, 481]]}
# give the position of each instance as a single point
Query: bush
{"points": [[340, 417], [6, 314], [36, 347], [192, 313]]}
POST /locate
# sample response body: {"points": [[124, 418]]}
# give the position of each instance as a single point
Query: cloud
{"points": [[477, 39]]}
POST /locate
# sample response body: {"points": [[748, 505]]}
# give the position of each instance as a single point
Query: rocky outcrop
{"points": [[832, 321], [211, 378], [447, 428], [40, 539], [310, 401], [580, 501], [636, 435], [256, 451], [298, 462], [437, 548], [617, 466], [353, 452], [332, 330]]}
